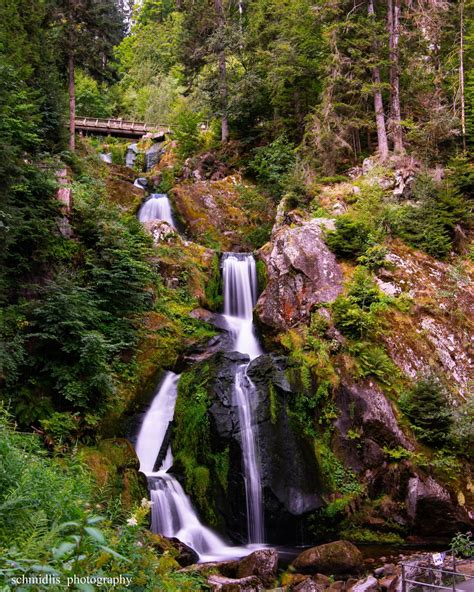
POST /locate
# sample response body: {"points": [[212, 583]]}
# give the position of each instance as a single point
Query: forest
{"points": [[236, 354]]}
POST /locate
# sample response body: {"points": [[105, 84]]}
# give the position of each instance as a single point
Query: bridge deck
{"points": [[118, 127]]}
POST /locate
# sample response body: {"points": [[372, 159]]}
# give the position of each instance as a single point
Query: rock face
{"points": [[263, 564], [431, 509], [289, 470], [153, 155], [339, 557], [223, 584], [301, 272]]}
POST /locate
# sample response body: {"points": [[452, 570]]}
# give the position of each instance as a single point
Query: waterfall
{"points": [[157, 207], [240, 296], [172, 513]]}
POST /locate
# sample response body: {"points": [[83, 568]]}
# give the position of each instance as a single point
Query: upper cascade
{"points": [[157, 207], [239, 274]]}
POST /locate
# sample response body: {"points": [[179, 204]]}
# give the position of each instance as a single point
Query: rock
{"points": [[431, 509], [301, 271], [322, 580], [379, 572], [131, 155], [336, 586], [339, 557], [389, 583], [223, 584], [181, 552], [141, 183], [161, 231], [309, 585], [370, 584], [262, 563], [389, 569], [153, 155]]}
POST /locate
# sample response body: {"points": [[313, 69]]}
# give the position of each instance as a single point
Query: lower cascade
{"points": [[172, 512], [240, 295], [157, 207]]}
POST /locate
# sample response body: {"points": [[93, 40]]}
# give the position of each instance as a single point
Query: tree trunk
{"points": [[461, 76], [72, 103], [222, 75], [378, 101], [395, 125]]}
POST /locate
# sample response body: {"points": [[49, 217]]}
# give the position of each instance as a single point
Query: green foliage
{"points": [[336, 477], [427, 408], [91, 97], [357, 314], [372, 360], [462, 430], [462, 545], [397, 454], [351, 237], [186, 130], [273, 163], [430, 224]]}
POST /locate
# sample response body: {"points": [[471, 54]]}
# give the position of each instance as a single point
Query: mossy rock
{"points": [[114, 465]]}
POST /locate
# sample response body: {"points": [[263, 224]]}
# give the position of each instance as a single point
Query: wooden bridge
{"points": [[119, 127]]}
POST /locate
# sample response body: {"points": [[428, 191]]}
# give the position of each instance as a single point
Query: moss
{"points": [[262, 275], [364, 535], [274, 405], [213, 288], [204, 470]]}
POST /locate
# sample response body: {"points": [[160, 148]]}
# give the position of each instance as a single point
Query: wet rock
{"points": [[262, 563], [339, 557], [153, 155], [141, 182], [223, 584], [301, 272], [322, 580], [370, 584], [181, 552]]}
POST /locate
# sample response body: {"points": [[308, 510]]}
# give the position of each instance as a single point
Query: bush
{"points": [[273, 163], [430, 224], [426, 407], [186, 130], [351, 237]]}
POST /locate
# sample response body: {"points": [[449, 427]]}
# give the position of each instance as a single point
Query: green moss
{"points": [[364, 535], [204, 469], [274, 405], [214, 286]]}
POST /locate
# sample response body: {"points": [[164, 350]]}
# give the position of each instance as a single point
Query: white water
{"points": [[157, 207], [240, 296], [172, 513]]}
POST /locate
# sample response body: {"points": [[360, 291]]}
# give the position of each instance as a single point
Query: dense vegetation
{"points": [[298, 96]]}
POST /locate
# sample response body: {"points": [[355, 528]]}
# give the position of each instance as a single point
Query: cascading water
{"points": [[240, 295], [157, 207], [172, 513]]}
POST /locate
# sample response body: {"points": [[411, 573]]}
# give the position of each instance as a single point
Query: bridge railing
{"points": [[118, 124]]}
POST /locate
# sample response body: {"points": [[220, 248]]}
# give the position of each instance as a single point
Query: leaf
{"points": [[63, 549], [114, 553], [45, 569], [86, 587], [95, 534], [95, 519]]}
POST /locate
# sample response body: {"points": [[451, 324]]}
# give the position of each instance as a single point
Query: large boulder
{"points": [[301, 271], [153, 155], [339, 557], [262, 563], [182, 553]]}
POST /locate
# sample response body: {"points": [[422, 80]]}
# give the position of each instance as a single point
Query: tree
{"points": [[393, 19], [378, 101], [90, 29]]}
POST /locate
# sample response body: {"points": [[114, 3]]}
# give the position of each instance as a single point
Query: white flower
{"points": [[132, 521], [146, 503]]}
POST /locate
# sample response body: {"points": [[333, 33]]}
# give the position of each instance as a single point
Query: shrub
{"points": [[430, 224], [427, 408], [272, 164], [351, 237], [186, 130]]}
